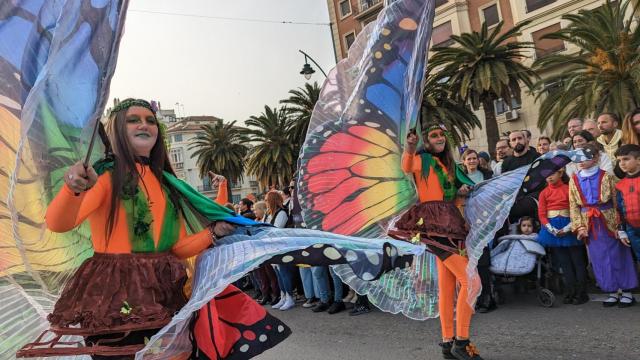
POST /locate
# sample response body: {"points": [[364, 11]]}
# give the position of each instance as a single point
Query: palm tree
{"points": [[299, 107], [603, 75], [438, 105], [271, 160], [482, 67], [221, 148]]}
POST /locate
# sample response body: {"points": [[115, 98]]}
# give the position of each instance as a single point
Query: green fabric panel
{"points": [[462, 178], [170, 225], [205, 206], [139, 221]]}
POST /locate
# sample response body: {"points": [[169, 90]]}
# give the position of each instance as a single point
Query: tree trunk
{"points": [[490, 125]]}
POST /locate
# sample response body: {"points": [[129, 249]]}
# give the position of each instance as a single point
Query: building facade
{"points": [[180, 134], [459, 16]]}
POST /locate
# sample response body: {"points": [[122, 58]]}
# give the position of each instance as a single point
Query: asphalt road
{"points": [[519, 329]]}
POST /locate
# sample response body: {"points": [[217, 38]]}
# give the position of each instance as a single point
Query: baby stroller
{"points": [[518, 256]]}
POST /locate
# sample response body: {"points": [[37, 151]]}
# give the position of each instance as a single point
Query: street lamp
{"points": [[307, 70]]}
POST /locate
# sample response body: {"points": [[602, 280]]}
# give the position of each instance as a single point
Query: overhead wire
{"points": [[229, 18]]}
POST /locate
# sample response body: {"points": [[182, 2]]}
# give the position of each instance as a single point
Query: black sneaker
{"points": [[446, 349], [359, 309], [336, 307], [465, 350], [321, 307], [487, 306]]}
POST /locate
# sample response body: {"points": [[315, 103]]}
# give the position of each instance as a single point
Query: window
{"points": [[177, 138], [345, 8], [441, 2], [366, 4], [553, 88], [441, 35], [349, 39], [545, 47], [490, 15], [176, 156], [533, 5], [253, 184], [502, 107], [235, 198]]}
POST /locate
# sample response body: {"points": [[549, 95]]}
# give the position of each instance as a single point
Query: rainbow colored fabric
{"points": [[56, 62]]}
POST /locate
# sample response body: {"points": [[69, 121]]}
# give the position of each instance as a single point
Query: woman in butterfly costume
{"points": [[144, 223], [134, 282], [440, 225]]}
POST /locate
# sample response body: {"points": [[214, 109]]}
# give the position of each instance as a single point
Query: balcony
{"points": [[369, 8], [178, 166]]}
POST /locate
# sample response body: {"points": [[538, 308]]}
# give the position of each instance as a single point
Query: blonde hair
{"points": [[260, 205]]}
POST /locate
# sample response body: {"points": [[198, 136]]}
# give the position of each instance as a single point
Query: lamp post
{"points": [[307, 70]]}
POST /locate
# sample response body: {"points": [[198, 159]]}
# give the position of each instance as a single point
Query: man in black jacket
{"points": [[523, 154]]}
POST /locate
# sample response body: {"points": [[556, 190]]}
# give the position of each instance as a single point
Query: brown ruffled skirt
{"points": [[119, 293], [439, 224]]}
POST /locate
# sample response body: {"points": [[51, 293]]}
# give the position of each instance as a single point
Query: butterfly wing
{"points": [[350, 179], [54, 73], [354, 180]]}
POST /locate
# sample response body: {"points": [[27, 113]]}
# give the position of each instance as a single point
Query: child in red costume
{"points": [[565, 248]]}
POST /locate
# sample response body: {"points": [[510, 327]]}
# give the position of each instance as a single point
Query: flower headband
{"points": [[436, 126], [439, 126], [127, 103]]}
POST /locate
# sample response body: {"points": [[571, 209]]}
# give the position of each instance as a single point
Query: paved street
{"points": [[519, 329]]}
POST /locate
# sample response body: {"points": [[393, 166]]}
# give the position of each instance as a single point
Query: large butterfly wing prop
{"points": [[350, 178], [56, 61]]}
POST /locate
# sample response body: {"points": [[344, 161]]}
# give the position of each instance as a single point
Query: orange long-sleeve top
{"points": [[429, 189], [67, 211], [223, 193]]}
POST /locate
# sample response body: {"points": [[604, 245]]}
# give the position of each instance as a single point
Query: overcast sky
{"points": [[225, 68]]}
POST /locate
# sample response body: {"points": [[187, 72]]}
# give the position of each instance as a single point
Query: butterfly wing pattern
{"points": [[54, 74], [350, 177], [350, 180]]}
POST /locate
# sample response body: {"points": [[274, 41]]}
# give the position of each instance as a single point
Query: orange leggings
{"points": [[452, 271]]}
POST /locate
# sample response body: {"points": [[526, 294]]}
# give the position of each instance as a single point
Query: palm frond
{"points": [[601, 76]]}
